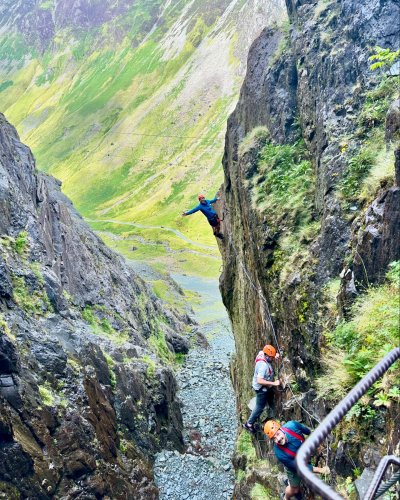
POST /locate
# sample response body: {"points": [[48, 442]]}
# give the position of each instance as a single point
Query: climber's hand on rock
{"points": [[183, 214], [277, 383], [322, 470]]}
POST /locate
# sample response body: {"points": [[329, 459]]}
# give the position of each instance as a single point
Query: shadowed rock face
{"points": [[38, 23], [80, 413], [309, 85]]}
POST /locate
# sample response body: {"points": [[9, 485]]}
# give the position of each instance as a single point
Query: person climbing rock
{"points": [[205, 208], [287, 441], [263, 381]]}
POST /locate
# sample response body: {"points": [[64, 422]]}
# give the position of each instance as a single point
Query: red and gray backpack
{"points": [[270, 369]]}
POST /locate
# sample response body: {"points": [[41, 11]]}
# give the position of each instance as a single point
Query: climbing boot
{"points": [[248, 427]]}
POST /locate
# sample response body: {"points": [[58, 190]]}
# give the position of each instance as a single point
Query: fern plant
{"points": [[383, 58]]}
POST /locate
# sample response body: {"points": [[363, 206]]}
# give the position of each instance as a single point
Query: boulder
{"points": [[392, 129]]}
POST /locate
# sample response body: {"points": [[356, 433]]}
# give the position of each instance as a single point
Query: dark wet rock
{"points": [[102, 417], [178, 343], [80, 413], [6, 433], [8, 356], [342, 460], [378, 243], [375, 244], [51, 356], [14, 461], [272, 89], [397, 166], [309, 84], [93, 356], [392, 132], [5, 281], [372, 458], [79, 463]]}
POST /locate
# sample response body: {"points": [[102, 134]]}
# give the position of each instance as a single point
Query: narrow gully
{"points": [[204, 471]]}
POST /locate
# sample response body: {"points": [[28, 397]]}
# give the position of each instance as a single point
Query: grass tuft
{"points": [[260, 492], [158, 343], [356, 345], [21, 243], [151, 366], [110, 364], [46, 394]]}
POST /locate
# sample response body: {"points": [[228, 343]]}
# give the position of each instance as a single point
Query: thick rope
{"points": [[385, 486]]}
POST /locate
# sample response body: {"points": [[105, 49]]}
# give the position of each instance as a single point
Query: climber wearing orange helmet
{"points": [[206, 209], [288, 439], [263, 381]]}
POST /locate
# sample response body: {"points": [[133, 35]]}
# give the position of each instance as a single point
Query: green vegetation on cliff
{"points": [[357, 344], [286, 182], [371, 165], [282, 184]]}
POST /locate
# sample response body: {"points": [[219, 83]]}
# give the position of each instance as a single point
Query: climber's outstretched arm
{"points": [[192, 211]]}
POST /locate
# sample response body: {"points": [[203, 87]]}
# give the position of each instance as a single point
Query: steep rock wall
{"points": [[309, 90], [85, 400]]}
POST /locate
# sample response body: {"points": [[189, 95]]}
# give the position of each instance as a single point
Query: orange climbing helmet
{"points": [[271, 428], [269, 350], [201, 197]]}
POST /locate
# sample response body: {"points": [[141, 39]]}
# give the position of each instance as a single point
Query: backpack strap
{"points": [[295, 435], [260, 358], [292, 433], [270, 369], [286, 450]]}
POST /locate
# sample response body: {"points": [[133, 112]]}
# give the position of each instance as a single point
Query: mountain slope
{"points": [[132, 97]]}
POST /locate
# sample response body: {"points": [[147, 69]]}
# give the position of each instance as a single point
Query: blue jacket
{"points": [[292, 443], [205, 208]]}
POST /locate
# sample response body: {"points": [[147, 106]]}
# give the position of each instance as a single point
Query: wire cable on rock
{"points": [[260, 294]]}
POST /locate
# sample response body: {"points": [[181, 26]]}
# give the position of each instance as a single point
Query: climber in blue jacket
{"points": [[287, 440], [206, 209]]}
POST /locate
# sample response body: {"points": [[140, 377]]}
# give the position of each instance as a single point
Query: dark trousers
{"points": [[215, 223], [262, 398]]}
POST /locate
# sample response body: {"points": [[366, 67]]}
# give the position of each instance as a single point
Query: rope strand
{"points": [[268, 315]]}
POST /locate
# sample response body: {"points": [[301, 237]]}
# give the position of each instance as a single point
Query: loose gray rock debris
{"points": [[204, 471]]}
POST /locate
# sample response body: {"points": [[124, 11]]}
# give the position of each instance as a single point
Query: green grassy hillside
{"points": [[131, 114]]}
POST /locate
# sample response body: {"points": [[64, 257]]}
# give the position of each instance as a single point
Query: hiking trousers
{"points": [[261, 400]]}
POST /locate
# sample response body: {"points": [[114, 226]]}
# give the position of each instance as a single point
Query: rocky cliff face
{"points": [[85, 399], [38, 21], [306, 202]]}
